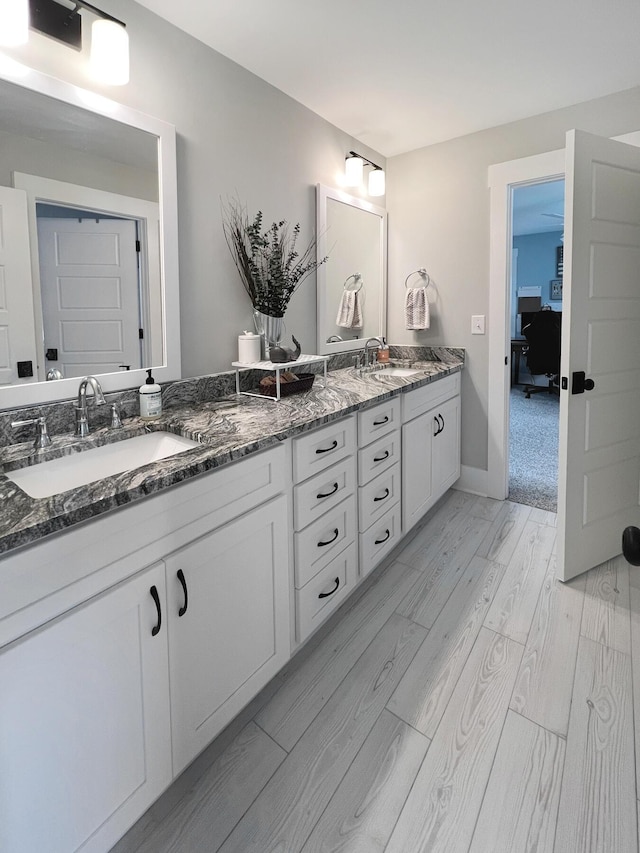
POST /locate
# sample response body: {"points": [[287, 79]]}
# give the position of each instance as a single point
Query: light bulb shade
{"points": [[14, 22], [109, 53], [377, 182], [353, 171]]}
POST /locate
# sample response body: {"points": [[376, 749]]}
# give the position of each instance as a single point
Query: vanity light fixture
{"points": [[354, 169], [109, 57], [14, 22]]}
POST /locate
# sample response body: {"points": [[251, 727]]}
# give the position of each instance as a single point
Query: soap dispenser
{"points": [[150, 395]]}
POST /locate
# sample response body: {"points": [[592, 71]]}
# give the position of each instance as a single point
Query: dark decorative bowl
{"points": [[304, 383]]}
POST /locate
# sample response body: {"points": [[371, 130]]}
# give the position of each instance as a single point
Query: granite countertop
{"points": [[227, 429]]}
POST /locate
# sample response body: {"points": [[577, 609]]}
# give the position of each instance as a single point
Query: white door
{"points": [[90, 301], [17, 335], [599, 459]]}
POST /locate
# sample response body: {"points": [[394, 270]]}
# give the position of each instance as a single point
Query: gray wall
{"points": [[237, 136], [438, 204]]}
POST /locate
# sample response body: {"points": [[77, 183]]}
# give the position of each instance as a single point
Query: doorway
{"points": [[537, 229]]}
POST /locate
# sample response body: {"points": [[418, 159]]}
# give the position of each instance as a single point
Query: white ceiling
{"points": [[538, 208], [401, 74]]}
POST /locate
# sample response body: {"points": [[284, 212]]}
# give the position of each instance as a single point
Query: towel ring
{"points": [[422, 272], [358, 281]]}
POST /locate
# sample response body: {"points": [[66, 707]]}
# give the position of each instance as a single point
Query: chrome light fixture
{"points": [[354, 170], [109, 58]]}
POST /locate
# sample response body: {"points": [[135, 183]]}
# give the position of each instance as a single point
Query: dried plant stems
{"points": [[270, 267]]}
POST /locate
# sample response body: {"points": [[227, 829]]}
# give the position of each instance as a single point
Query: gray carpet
{"points": [[533, 449]]}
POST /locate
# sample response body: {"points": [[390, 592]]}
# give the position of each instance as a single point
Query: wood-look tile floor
{"points": [[465, 701]]}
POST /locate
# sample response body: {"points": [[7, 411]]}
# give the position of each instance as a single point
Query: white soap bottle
{"points": [[150, 395]]}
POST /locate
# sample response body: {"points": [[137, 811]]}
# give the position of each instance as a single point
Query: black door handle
{"points": [[183, 582], [380, 541], [579, 382], [334, 489], [335, 589], [156, 598], [381, 458], [385, 420], [328, 449], [336, 533], [383, 497]]}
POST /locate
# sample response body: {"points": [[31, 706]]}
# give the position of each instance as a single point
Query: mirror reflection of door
{"points": [[89, 279]]}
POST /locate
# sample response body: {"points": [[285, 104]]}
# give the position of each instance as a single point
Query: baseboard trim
{"points": [[473, 480]]}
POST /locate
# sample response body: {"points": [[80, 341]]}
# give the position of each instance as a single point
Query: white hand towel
{"points": [[416, 308], [349, 310]]}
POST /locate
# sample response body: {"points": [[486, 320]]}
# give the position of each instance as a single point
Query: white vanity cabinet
{"points": [[324, 515], [379, 482], [115, 692], [430, 446], [84, 722], [228, 622]]}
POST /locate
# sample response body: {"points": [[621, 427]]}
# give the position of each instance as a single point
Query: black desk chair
{"points": [[543, 334]]}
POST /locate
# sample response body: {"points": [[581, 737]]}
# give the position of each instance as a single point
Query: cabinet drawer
{"points": [[322, 595], [378, 421], [420, 400], [378, 496], [319, 543], [316, 450], [323, 492], [378, 457], [379, 539]]}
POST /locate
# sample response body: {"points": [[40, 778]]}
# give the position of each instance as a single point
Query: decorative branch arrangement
{"points": [[270, 268]]}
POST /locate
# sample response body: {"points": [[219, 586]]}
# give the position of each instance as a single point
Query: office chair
{"points": [[543, 334]]}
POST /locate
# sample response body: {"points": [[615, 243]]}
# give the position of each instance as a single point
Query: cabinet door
{"points": [[417, 491], [446, 447], [232, 589], [84, 723]]}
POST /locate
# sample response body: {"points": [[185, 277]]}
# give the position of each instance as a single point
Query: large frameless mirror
{"points": [[352, 284], [88, 242]]}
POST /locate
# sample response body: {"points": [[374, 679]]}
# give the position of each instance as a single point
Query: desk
{"points": [[518, 345]]}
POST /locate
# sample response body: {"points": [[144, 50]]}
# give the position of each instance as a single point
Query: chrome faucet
{"points": [[369, 361], [42, 436], [82, 423]]}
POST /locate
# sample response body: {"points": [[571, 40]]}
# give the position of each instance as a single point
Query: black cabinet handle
{"points": [[335, 589], [328, 449], [380, 541], [383, 497], [442, 419], [328, 494], [156, 598], [183, 582], [381, 458], [385, 420], [336, 533], [437, 423]]}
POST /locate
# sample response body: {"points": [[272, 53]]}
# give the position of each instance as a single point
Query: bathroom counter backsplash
{"points": [[207, 410]]}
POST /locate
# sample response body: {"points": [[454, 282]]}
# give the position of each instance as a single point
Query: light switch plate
{"points": [[477, 324]]}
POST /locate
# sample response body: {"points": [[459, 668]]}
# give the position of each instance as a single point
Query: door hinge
{"points": [[137, 245], [140, 334]]}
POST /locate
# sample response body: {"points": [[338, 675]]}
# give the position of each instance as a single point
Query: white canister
{"points": [[249, 348]]}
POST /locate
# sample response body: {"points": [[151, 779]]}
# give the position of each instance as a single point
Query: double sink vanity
{"points": [[130, 638]]}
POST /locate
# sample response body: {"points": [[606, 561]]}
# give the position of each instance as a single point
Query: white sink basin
{"points": [[395, 371], [78, 469]]}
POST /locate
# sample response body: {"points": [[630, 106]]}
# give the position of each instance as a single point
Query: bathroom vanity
{"points": [[128, 641]]}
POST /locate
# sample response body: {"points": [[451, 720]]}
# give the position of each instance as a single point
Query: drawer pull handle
{"points": [[328, 449], [380, 541], [385, 420], [335, 589], [336, 533], [384, 456], [156, 599], [322, 495], [183, 583], [383, 497]]}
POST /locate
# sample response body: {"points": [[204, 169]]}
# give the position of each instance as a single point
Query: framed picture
{"points": [[555, 289], [559, 261]]}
